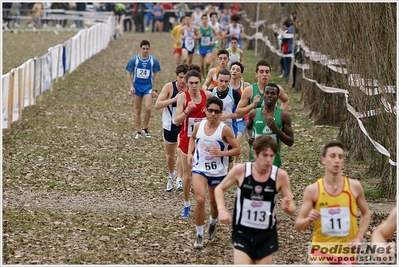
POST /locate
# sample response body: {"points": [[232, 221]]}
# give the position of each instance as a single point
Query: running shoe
{"points": [[199, 242], [179, 185], [186, 212], [169, 186], [146, 133], [138, 136], [211, 231]]}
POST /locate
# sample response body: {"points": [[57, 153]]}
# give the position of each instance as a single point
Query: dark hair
{"points": [[333, 144], [193, 73], [181, 68], [264, 141], [223, 72], [181, 19], [273, 85], [238, 64], [235, 18], [223, 52], [233, 38], [263, 63], [144, 42], [287, 22], [194, 67], [214, 100], [204, 15], [213, 13]]}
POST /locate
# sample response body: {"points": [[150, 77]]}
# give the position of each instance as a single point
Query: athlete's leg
{"points": [[214, 56], [170, 156], [199, 186], [148, 105], [184, 55], [212, 202], [190, 59], [186, 176], [201, 61], [266, 260], [241, 258], [208, 60], [137, 104], [239, 137]]}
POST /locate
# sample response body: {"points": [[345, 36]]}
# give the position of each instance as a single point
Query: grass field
{"points": [[79, 189]]}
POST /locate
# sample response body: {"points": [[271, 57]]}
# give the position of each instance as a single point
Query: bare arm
{"points": [[386, 229], [191, 145], [208, 79], [164, 99], [241, 56], [234, 176], [248, 127], [284, 98], [180, 116], [243, 106], [130, 81], [364, 209], [307, 215], [155, 86], [284, 186]]}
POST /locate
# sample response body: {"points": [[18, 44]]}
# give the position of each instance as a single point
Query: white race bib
{"points": [[205, 41], [335, 221], [143, 73], [190, 44], [191, 123], [256, 214]]}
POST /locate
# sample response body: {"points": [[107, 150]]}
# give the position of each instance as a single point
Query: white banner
{"points": [[5, 93], [46, 71], [37, 91], [15, 101], [56, 62]]}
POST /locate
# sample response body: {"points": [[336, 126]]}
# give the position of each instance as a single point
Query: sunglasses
{"points": [[211, 110]]}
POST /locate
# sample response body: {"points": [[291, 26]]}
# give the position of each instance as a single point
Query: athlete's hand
{"points": [[191, 105], [190, 158], [132, 90], [224, 217], [175, 98], [271, 122], [214, 151], [285, 203], [154, 94], [256, 100], [313, 215]]}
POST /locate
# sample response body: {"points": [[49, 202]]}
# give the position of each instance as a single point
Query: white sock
{"points": [[171, 175], [200, 230], [187, 203], [212, 220], [179, 179]]}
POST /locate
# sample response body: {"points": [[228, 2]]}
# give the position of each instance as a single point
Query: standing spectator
{"points": [[158, 12], [16, 12], [128, 18], [120, 12], [169, 16], [148, 16], [144, 68], [287, 47], [138, 16], [235, 7], [181, 10], [80, 6], [37, 7]]}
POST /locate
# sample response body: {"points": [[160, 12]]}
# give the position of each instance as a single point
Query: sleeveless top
{"points": [[254, 209], [229, 107], [189, 41], [197, 18], [206, 38], [233, 57], [338, 221], [216, 27], [197, 114], [255, 92], [260, 128], [209, 165], [169, 112], [215, 77]]}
